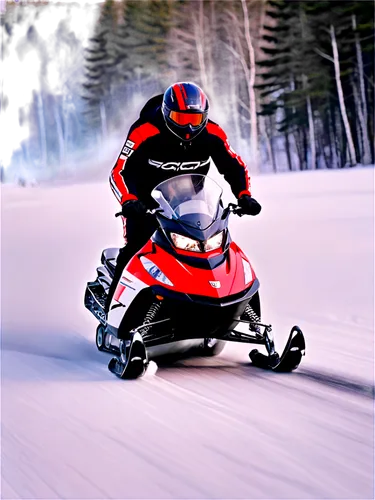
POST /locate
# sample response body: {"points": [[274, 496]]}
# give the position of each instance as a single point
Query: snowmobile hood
{"points": [[226, 279]]}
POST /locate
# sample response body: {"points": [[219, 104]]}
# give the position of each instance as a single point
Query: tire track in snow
{"points": [[338, 382]]}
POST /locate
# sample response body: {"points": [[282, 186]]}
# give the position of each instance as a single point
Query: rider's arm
{"points": [[228, 162], [127, 172]]}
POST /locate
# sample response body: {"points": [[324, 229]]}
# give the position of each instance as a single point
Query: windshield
{"points": [[193, 199]]}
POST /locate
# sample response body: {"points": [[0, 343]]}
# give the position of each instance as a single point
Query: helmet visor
{"points": [[193, 119]]}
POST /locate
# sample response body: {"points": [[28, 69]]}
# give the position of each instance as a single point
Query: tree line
{"points": [[292, 81]]}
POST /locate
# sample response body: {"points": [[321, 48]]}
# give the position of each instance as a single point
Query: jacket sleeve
{"points": [[228, 162], [127, 172]]}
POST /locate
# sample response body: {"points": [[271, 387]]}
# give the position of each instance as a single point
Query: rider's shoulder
{"points": [[215, 130], [142, 130]]}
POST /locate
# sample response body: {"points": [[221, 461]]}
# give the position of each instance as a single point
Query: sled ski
{"points": [[133, 360], [290, 358]]}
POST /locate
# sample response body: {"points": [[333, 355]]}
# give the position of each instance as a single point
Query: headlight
{"points": [[214, 242], [247, 271], [185, 243], [155, 272]]}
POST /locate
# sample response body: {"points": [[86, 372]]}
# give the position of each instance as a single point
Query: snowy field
{"points": [[215, 428]]}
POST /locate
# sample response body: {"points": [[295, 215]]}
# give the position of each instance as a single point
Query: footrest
{"points": [[95, 298], [109, 254]]}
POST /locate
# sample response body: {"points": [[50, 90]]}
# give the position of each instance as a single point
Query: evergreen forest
{"points": [[291, 81]]}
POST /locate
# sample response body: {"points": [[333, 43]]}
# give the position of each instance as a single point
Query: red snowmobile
{"points": [[190, 282]]}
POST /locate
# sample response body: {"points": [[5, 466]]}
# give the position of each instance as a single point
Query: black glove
{"points": [[248, 205], [133, 208]]}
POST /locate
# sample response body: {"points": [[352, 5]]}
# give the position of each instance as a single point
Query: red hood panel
{"points": [[193, 280]]}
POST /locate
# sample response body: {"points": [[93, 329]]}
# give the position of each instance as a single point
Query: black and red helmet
{"points": [[185, 110]]}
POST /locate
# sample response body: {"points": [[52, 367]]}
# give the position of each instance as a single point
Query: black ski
{"points": [[290, 358], [133, 361]]}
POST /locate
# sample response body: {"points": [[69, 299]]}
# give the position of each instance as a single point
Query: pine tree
{"points": [[141, 42], [100, 62], [314, 74]]}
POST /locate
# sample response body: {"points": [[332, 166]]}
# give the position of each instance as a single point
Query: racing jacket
{"points": [[152, 154]]}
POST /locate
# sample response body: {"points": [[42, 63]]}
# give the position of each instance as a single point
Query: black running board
{"points": [[95, 299]]}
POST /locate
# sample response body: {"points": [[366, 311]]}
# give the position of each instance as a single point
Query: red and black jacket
{"points": [[152, 154]]}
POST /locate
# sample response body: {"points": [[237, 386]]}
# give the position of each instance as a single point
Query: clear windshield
{"points": [[187, 196]]}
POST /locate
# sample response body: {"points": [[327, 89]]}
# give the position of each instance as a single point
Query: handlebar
{"points": [[149, 211], [234, 209], [231, 208]]}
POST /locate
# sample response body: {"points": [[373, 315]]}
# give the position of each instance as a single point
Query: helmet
{"points": [[185, 110]]}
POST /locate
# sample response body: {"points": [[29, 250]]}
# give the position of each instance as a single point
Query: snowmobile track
{"points": [[338, 382]]}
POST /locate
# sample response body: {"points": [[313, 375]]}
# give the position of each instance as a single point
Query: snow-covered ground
{"points": [[213, 428]]}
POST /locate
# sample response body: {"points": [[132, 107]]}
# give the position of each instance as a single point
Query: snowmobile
{"points": [[190, 282]]}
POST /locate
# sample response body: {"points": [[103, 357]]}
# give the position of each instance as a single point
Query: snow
{"points": [[202, 428]]}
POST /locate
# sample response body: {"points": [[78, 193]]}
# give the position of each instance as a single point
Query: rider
{"points": [[173, 136]]}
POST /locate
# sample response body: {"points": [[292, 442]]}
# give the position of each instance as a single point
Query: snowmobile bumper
{"points": [[195, 316]]}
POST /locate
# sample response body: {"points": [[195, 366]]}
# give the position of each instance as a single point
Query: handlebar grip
{"points": [[239, 212]]}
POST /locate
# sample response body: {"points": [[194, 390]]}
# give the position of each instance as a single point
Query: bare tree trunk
{"points": [[252, 99], [311, 133], [103, 119], [363, 116], [265, 132], [342, 143], [326, 138], [211, 41], [287, 134], [233, 97], [42, 130], [322, 158], [333, 138], [60, 134], [299, 149], [359, 120], [336, 61], [296, 134], [305, 148], [323, 152], [199, 31], [362, 81], [287, 150]]}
